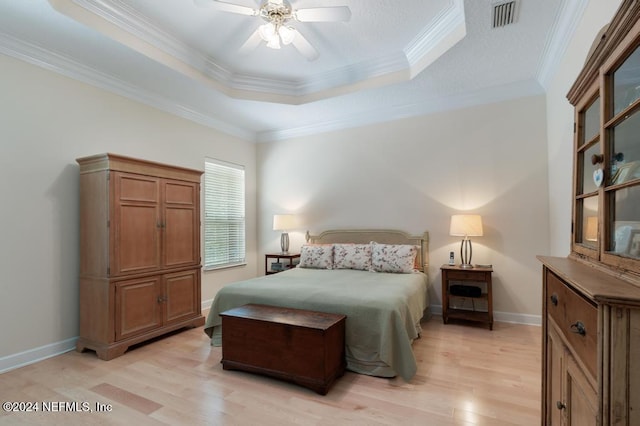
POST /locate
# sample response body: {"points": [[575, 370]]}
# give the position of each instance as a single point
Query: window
{"points": [[224, 215]]}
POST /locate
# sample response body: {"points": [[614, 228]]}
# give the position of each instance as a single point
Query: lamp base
{"points": [[284, 243], [466, 250]]}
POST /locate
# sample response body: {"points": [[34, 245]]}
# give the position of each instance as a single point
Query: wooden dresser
{"points": [[591, 299], [139, 252], [591, 349]]}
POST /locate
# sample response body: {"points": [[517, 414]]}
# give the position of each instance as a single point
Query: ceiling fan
{"points": [[278, 14]]}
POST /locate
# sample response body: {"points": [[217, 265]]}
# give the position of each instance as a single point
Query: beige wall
{"points": [[412, 175], [560, 122], [46, 122]]}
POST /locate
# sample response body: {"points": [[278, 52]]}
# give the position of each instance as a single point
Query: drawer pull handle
{"points": [[578, 328], [554, 299], [560, 405]]}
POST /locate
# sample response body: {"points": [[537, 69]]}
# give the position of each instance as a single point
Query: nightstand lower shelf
{"points": [[467, 315]]}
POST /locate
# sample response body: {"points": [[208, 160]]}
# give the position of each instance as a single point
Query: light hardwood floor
{"points": [[467, 375]]}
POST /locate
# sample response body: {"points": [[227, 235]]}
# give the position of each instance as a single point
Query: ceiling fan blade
{"points": [[323, 14], [304, 47], [227, 7], [252, 42]]}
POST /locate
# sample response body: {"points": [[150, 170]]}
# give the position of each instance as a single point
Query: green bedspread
{"points": [[383, 311]]}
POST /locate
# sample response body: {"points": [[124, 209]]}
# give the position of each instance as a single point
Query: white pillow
{"points": [[352, 256], [393, 257], [316, 256]]}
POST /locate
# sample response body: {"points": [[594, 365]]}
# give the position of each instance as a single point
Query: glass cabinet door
{"points": [[623, 137], [589, 160], [605, 227]]}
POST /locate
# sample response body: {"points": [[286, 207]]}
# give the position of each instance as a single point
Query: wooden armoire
{"points": [[591, 298], [139, 252]]}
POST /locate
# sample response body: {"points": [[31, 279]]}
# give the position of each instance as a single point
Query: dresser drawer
{"points": [[577, 319]]}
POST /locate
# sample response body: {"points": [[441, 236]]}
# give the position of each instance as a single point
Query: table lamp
{"points": [[284, 222], [466, 225]]}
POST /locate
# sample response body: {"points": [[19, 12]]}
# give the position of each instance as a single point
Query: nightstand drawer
{"points": [[466, 276], [577, 319]]}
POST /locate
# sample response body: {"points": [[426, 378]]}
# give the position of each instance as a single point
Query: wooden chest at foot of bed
{"points": [[304, 347]]}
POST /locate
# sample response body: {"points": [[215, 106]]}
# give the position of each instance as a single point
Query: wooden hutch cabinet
{"points": [[591, 299], [139, 252]]}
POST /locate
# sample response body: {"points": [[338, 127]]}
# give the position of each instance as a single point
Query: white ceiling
{"points": [[392, 59]]}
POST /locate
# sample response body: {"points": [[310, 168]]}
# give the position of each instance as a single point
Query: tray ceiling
{"points": [[390, 60]]}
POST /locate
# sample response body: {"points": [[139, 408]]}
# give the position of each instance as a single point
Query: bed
{"points": [[383, 309]]}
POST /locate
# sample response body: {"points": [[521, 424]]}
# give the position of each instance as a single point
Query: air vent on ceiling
{"points": [[504, 13]]}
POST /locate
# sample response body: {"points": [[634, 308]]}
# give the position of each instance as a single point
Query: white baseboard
{"points": [[206, 304], [510, 317], [11, 362], [525, 319], [20, 359]]}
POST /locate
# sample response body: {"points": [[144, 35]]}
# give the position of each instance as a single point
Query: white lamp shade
{"points": [[466, 225], [284, 222]]}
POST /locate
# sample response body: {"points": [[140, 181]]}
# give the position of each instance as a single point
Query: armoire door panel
{"points": [[138, 306], [182, 295], [179, 243], [183, 193], [137, 236], [130, 187], [136, 224]]}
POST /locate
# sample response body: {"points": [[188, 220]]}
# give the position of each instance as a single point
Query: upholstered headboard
{"points": [[382, 236]]}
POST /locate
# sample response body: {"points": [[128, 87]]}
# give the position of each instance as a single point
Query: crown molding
{"points": [[61, 64], [560, 36], [448, 28], [122, 23], [36, 55], [484, 96]]}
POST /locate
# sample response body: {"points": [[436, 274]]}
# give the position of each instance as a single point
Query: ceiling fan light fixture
{"points": [[277, 14], [267, 31], [274, 43], [287, 34]]}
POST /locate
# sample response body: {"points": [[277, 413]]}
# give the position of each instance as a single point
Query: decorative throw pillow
{"points": [[352, 256], [393, 257], [316, 256]]}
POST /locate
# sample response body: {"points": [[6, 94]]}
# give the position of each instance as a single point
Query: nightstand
{"points": [[468, 284], [279, 256]]}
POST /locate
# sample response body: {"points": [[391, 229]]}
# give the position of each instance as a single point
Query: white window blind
{"points": [[224, 222]]}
